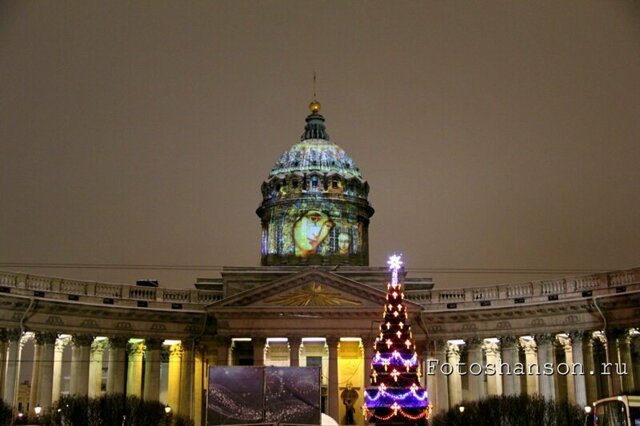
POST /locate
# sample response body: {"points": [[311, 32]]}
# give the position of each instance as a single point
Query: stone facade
{"points": [[318, 316]]}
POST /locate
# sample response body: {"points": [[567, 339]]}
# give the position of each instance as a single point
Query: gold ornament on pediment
{"points": [[313, 295]]}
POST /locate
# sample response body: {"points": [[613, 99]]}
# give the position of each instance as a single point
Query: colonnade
{"points": [[555, 366], [580, 366], [133, 367]]}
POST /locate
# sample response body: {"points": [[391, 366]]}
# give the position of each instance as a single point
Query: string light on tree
{"points": [[395, 395]]}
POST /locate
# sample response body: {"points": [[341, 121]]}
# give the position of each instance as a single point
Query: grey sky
{"points": [[494, 135]]}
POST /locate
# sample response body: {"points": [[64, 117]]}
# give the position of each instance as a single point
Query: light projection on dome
{"points": [[314, 208], [311, 229], [318, 228]]}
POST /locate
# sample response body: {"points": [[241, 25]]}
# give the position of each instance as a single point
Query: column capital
{"points": [[153, 344], [136, 348], [528, 345], [118, 342], [175, 351], [491, 348], [61, 343], [13, 334], [598, 337], [508, 342], [98, 346], [332, 341], [46, 337], [578, 336], [453, 350], [544, 339], [473, 343], [82, 340], [565, 343]]}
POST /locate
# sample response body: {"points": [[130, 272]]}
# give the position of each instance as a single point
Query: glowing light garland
{"points": [[398, 396]]}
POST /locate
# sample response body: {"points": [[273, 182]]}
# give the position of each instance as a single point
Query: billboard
{"points": [[243, 395]]}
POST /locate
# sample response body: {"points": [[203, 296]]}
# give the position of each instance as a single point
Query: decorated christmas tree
{"points": [[395, 395]]}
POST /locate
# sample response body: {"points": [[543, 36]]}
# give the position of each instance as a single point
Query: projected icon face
{"points": [[309, 231]]}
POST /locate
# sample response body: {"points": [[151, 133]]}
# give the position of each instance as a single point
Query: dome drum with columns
{"points": [[315, 208]]}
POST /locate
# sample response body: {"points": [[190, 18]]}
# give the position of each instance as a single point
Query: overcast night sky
{"points": [[499, 135]]}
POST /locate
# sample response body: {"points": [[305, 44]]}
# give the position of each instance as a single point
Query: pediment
{"points": [[310, 288]]}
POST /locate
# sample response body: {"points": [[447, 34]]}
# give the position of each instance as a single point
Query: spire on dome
{"points": [[315, 128]]}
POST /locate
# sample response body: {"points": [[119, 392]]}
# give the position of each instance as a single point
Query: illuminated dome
{"points": [[315, 208], [315, 152]]}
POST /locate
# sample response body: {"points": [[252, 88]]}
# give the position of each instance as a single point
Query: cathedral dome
{"points": [[316, 155], [315, 152], [314, 208]]}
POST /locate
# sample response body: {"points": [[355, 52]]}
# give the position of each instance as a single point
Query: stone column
{"points": [[294, 351], [455, 380], [116, 367], [531, 361], [615, 381], [199, 382], [566, 344], [635, 357], [442, 382], [367, 353], [95, 368], [45, 382], [258, 343], [186, 378], [57, 367], [494, 381], [134, 369], [429, 358], [579, 384], [510, 380], [4, 347], [80, 357], [333, 397], [12, 372], [476, 369], [153, 358], [35, 372], [628, 383], [175, 360], [546, 381], [590, 368]]}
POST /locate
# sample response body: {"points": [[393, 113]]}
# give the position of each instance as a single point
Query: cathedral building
{"points": [[315, 301]]}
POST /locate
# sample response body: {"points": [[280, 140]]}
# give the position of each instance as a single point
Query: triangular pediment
{"points": [[310, 288]]}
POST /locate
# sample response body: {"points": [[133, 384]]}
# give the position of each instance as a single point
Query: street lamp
{"points": [[587, 409], [461, 408], [38, 410], [167, 410]]}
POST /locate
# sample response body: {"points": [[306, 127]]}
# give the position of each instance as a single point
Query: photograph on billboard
{"points": [[292, 395], [244, 395], [235, 395]]}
